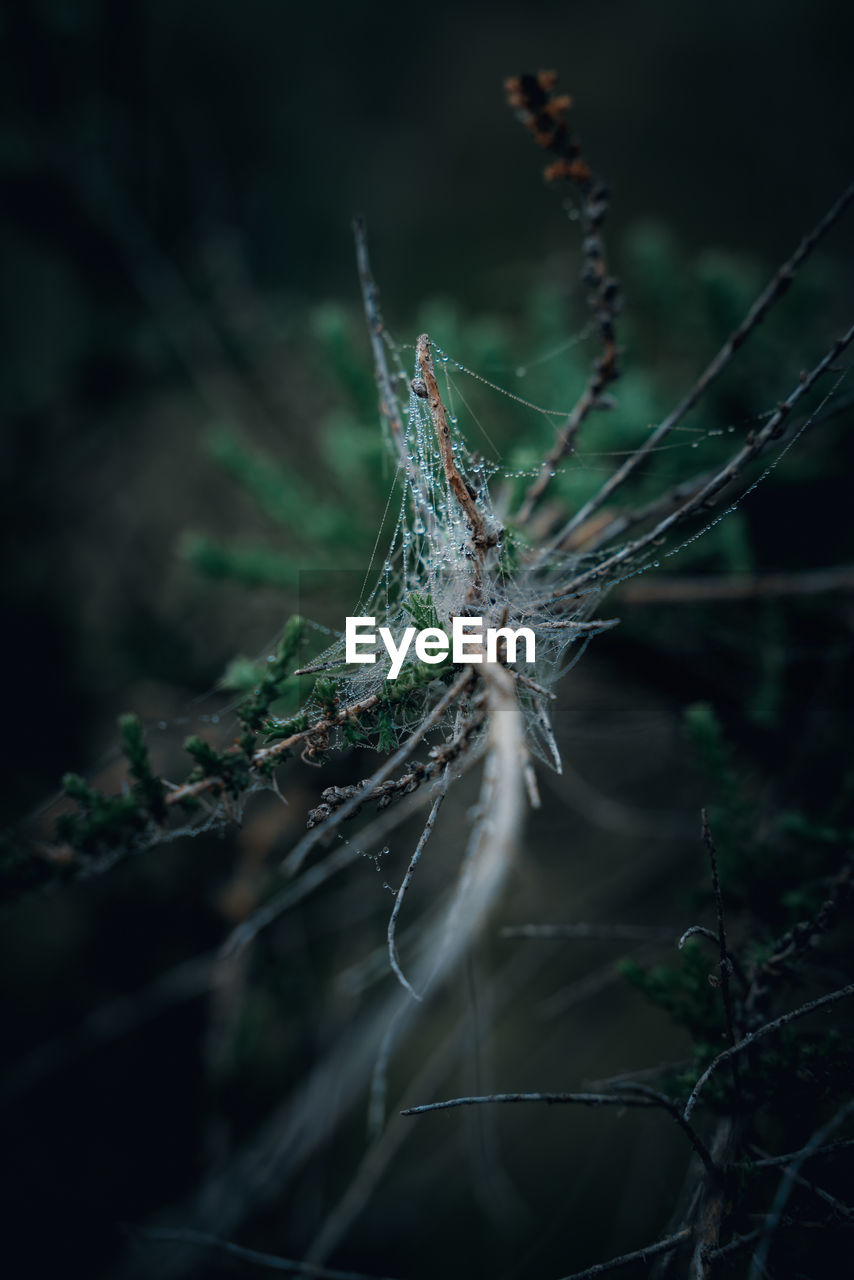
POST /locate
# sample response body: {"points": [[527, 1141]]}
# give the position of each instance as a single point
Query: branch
{"points": [[737, 587], [482, 538], [753, 446], [603, 932], [773, 290], [763, 1031], [296, 857], [638, 1255], [582, 1099], [407, 880], [388, 400], [725, 964], [545, 117]]}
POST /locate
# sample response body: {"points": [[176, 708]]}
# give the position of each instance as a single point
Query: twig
{"points": [[601, 528], [605, 932], [760, 1257], [638, 1255], [807, 1153], [725, 963], [773, 290], [838, 1206], [407, 879], [482, 537], [582, 1099], [753, 1036], [752, 447], [692, 590], [296, 857], [672, 1109], [265, 754], [370, 298], [388, 400], [545, 117]]}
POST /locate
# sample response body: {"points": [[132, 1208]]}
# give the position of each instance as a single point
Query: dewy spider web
{"points": [[427, 575]]}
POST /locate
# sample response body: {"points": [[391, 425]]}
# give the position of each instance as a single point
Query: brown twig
{"points": [[482, 537], [545, 117]]}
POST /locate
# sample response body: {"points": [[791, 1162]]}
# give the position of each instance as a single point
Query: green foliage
{"points": [[685, 993], [149, 788], [274, 677]]}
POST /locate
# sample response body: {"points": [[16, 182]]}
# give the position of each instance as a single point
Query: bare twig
{"points": [[389, 409], [581, 1099], [751, 449], [605, 932], [752, 1037], [760, 1257], [407, 880], [672, 1109], [725, 963], [773, 290], [807, 1152], [546, 118], [666, 1245], [737, 587]]}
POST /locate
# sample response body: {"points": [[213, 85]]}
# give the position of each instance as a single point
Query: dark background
{"points": [[176, 185]]}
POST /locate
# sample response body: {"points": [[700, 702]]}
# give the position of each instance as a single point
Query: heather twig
{"points": [[545, 117], [776, 287], [752, 1037]]}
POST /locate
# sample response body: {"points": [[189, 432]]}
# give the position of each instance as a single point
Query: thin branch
{"points": [[760, 1257], [604, 932], [754, 1036], [296, 857], [751, 449], [370, 298], [601, 528], [672, 1109], [407, 880], [773, 290], [546, 118], [838, 1206], [388, 400], [638, 1255], [482, 537], [804, 1153], [725, 964], [582, 1099], [265, 754], [737, 587]]}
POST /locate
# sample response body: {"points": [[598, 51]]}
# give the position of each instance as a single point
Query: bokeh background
{"points": [[175, 257]]}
